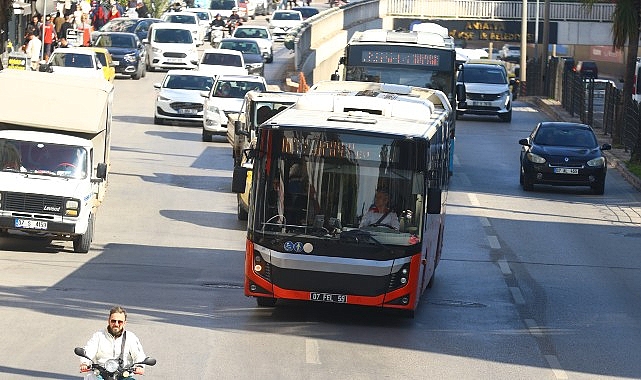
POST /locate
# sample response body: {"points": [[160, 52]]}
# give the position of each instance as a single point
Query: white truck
{"points": [[53, 160]]}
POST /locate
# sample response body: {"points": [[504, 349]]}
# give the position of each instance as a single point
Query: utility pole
{"points": [[546, 41], [523, 67]]}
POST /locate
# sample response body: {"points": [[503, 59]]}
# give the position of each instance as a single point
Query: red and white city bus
{"points": [[316, 168]]}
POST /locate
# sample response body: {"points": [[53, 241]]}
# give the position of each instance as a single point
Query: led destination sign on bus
{"points": [[330, 149], [400, 58]]}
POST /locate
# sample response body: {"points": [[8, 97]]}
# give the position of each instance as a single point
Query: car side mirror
{"points": [[606, 147], [524, 142]]}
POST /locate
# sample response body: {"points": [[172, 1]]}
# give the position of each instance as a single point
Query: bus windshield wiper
{"points": [[365, 235]]}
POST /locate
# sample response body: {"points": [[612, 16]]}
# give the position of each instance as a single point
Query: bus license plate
{"points": [[566, 171], [328, 297], [31, 224]]}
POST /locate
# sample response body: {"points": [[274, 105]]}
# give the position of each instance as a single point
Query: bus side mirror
{"points": [[239, 179]]}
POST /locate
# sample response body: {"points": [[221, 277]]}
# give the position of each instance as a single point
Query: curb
{"points": [[555, 111]]}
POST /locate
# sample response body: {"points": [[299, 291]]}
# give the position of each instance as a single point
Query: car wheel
{"points": [[459, 114], [506, 117], [144, 71], [598, 188], [270, 58], [207, 136], [241, 212], [137, 75], [158, 121]]}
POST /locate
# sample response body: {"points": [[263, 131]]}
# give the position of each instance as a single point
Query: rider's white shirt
{"points": [[102, 346]]}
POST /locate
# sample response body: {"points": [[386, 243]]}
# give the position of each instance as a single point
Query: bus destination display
{"points": [[400, 58]]}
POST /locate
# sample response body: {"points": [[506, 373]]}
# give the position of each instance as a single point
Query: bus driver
{"points": [[380, 214]]}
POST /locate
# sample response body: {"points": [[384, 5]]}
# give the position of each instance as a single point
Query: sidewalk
{"points": [[616, 157]]}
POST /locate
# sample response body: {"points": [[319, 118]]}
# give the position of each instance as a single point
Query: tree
{"points": [[626, 22]]}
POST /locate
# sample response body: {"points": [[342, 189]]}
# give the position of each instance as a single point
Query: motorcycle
{"points": [[112, 369], [216, 35]]}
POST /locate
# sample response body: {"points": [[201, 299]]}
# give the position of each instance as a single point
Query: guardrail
{"points": [[498, 10]]}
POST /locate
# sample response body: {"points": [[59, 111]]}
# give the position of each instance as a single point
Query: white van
{"points": [[170, 46]]}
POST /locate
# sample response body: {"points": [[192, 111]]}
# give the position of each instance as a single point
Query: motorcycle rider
{"points": [[218, 21], [106, 343], [233, 20]]}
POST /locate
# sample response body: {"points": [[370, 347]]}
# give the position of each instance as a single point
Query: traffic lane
{"points": [[554, 248]]}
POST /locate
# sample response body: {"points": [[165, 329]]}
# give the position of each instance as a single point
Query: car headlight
{"points": [[213, 109], [163, 99], [505, 93], [535, 158], [130, 57], [598, 162], [72, 207], [156, 50], [254, 65]]}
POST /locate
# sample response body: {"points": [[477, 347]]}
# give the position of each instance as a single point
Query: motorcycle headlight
{"points": [[130, 57], [535, 158], [111, 365], [598, 162]]}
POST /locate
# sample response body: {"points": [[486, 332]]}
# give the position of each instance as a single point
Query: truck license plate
{"points": [[328, 297], [31, 224]]}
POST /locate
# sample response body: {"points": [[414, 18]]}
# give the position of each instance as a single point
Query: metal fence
{"points": [[499, 10]]}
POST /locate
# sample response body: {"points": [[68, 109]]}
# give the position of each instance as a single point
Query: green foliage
{"points": [[634, 167]]}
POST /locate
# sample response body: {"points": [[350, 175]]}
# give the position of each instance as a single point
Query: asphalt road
{"points": [[537, 285]]}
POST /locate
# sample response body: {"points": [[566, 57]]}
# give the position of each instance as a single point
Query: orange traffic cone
{"points": [[302, 83]]}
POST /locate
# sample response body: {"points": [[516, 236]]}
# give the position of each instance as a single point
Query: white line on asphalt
{"points": [[485, 222], [494, 242], [553, 361], [473, 199], [533, 328], [312, 352], [505, 267], [517, 295]]}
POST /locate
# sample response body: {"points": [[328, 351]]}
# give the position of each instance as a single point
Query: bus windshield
{"points": [[418, 66], [337, 185]]}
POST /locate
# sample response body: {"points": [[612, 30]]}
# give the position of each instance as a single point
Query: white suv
{"points": [[484, 89], [222, 61], [189, 20], [226, 97], [170, 46]]}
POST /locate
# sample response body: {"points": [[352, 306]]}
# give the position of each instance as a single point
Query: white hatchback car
{"points": [[179, 96], [226, 97], [282, 21], [222, 61], [170, 46], [75, 61], [261, 35], [188, 20]]}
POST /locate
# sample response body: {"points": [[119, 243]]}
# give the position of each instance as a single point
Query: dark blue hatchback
{"points": [[127, 52], [563, 154], [138, 26]]}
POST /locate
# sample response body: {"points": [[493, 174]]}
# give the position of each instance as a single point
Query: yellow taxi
{"points": [[106, 61]]}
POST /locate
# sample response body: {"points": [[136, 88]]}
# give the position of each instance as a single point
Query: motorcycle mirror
{"points": [[149, 361], [81, 352]]}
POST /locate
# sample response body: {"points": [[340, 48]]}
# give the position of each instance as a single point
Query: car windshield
{"points": [[107, 41], [181, 19], [222, 59], [176, 36], [473, 74], [236, 88], [222, 4], [82, 61], [286, 16], [565, 136], [251, 33], [189, 82], [40, 158], [119, 25], [244, 47]]}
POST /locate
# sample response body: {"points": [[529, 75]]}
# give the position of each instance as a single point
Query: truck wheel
{"points": [[82, 243]]}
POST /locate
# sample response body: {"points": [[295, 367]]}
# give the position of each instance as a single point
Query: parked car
{"points": [[107, 63], [138, 26], [282, 21], [222, 61], [261, 35], [254, 62], [127, 51], [486, 91], [80, 61], [189, 20], [510, 53], [179, 98], [587, 69], [563, 154], [307, 12], [170, 46], [226, 97]]}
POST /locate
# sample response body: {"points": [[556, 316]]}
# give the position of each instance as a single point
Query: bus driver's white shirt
{"points": [[373, 215]]}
